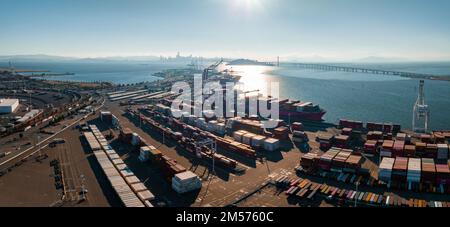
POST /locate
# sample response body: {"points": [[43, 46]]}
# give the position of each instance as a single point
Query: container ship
{"points": [[300, 111]]}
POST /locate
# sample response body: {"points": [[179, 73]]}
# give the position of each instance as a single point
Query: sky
{"points": [[259, 29]]}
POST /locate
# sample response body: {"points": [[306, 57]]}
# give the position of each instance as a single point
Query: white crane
{"points": [[421, 112]]}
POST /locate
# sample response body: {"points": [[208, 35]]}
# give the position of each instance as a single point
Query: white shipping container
{"points": [[221, 129], [271, 144], [414, 170], [238, 135], [247, 138], [258, 141], [145, 195], [138, 187]]}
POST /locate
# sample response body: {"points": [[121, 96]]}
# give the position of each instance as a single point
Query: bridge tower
{"points": [[421, 112]]}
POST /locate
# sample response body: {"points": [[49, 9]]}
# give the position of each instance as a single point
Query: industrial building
{"points": [[8, 105]]}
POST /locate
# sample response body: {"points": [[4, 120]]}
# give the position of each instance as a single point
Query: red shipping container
{"points": [[398, 148]]}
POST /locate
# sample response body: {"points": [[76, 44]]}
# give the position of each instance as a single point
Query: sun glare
{"points": [[247, 5]]}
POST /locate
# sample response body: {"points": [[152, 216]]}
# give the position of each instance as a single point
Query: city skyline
{"points": [[257, 29]]}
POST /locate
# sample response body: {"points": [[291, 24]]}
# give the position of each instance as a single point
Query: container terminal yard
{"points": [[97, 144]]}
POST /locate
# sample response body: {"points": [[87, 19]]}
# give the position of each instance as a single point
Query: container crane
{"points": [[210, 68], [421, 112]]}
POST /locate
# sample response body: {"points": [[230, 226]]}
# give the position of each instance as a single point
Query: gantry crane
{"points": [[421, 112]]}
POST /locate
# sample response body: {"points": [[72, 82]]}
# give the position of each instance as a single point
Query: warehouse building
{"points": [[8, 105]]}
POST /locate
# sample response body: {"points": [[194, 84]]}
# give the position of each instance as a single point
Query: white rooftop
{"points": [[8, 102]]}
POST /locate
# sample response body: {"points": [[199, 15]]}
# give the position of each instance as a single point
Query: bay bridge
{"points": [[362, 69]]}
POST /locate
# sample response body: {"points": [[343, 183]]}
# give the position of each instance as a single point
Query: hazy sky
{"points": [[342, 29]]}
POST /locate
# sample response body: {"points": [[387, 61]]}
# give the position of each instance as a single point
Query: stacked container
{"points": [[342, 141], [442, 174], [126, 134], [144, 154], [425, 138], [420, 149], [185, 182], [370, 146], [299, 136], [414, 170], [281, 133], [387, 127], [385, 169], [374, 126], [106, 117], [258, 141], [327, 158], [386, 149], [431, 151], [308, 160], [271, 144], [221, 129], [339, 161], [439, 137], [92, 141], [428, 170], [410, 150], [353, 163], [400, 169], [247, 138], [238, 135], [347, 131], [297, 126], [442, 151], [325, 141], [135, 140], [399, 146]]}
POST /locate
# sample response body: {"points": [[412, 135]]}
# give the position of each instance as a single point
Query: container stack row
{"points": [[129, 188]]}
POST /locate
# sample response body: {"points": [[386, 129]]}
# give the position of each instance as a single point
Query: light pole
{"points": [[356, 184]]}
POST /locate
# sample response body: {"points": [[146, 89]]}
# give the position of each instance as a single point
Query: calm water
{"points": [[359, 96], [119, 73], [356, 96]]}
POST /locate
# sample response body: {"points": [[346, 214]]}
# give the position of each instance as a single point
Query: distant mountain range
{"points": [[189, 59], [246, 62], [138, 59]]}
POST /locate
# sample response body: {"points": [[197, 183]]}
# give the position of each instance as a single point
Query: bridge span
{"points": [[329, 67]]}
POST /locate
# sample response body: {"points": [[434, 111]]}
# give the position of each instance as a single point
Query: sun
{"points": [[247, 5]]}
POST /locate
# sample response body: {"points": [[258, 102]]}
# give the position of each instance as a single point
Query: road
{"points": [[39, 145]]}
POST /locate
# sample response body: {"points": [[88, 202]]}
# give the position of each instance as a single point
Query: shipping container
{"points": [[371, 146], [385, 169], [353, 164], [271, 144], [442, 174], [398, 148], [387, 148], [297, 126], [428, 170], [400, 169], [327, 158], [442, 152], [414, 170], [410, 150], [281, 133], [309, 160]]}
